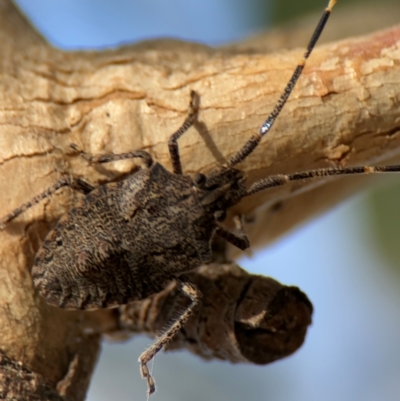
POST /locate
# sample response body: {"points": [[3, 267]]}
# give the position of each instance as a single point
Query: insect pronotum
{"points": [[127, 240]]}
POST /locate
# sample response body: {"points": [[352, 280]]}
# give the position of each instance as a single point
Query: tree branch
{"points": [[344, 111], [243, 317]]}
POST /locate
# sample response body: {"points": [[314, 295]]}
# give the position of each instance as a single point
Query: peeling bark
{"points": [[344, 111]]}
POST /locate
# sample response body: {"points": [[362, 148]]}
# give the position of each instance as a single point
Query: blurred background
{"points": [[347, 261]]}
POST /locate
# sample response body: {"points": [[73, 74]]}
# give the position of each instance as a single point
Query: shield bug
{"points": [[127, 240]]}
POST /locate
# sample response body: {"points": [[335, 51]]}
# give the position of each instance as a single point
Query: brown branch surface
{"points": [[344, 111], [19, 383]]}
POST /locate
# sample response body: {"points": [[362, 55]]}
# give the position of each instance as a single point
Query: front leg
{"points": [[172, 143], [241, 241]]}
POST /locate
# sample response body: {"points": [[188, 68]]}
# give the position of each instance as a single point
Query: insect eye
{"points": [[220, 215], [199, 179]]}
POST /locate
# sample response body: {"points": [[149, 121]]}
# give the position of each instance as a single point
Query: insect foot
{"points": [[243, 318]]}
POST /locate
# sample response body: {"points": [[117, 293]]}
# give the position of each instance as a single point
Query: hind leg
{"points": [[195, 295]]}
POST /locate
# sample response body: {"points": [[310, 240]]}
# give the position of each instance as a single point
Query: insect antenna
{"points": [[282, 179], [252, 143]]}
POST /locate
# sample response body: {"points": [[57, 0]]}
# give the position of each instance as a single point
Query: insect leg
{"points": [[172, 143], [240, 241], [114, 157], [70, 181], [195, 296], [282, 179]]}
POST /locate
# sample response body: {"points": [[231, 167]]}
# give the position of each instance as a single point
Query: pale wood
{"points": [[344, 111]]}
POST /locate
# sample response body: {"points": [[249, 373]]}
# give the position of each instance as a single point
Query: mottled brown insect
{"points": [[126, 240]]}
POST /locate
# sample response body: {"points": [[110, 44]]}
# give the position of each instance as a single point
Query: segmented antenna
{"points": [[252, 143], [283, 179]]}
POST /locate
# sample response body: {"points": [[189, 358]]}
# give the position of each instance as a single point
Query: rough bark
{"points": [[243, 317], [344, 111]]}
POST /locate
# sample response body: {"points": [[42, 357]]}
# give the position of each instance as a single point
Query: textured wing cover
{"points": [[124, 241]]}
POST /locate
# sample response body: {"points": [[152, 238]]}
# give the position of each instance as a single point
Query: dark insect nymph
{"points": [[126, 240]]}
